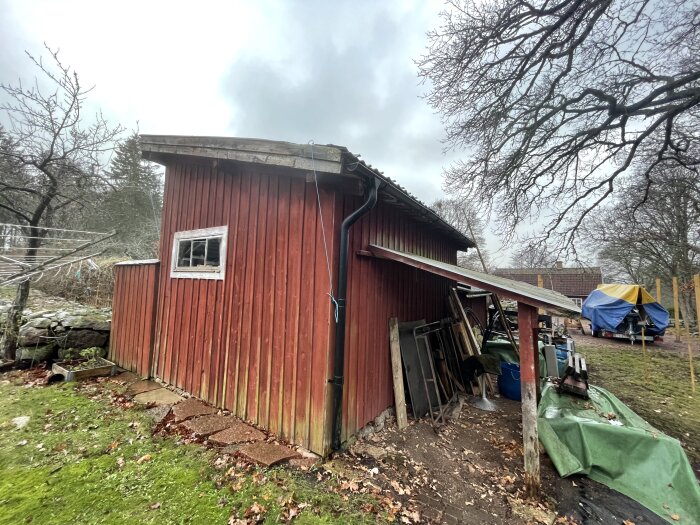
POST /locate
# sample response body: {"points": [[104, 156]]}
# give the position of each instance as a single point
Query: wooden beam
{"points": [[517, 291], [676, 312], [658, 290], [527, 327], [397, 372]]}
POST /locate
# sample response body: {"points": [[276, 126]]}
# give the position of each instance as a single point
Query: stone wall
{"points": [[60, 333]]}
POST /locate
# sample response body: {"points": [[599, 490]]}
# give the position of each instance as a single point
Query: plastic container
{"points": [[509, 381], [562, 361]]}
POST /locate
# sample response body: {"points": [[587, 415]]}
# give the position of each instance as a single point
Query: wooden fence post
{"points": [[529, 377], [696, 282], [658, 290], [676, 312], [690, 358]]}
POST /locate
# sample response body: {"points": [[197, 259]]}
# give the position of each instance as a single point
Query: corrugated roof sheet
{"points": [[322, 158], [505, 288]]}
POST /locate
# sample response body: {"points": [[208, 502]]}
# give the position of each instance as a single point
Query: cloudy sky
{"points": [[331, 72]]}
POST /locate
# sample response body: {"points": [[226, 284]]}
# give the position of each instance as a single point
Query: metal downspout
{"points": [[371, 190]]}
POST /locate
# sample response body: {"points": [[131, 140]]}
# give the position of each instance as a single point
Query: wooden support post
{"points": [[676, 310], [397, 372], [658, 290], [540, 284], [527, 327]]}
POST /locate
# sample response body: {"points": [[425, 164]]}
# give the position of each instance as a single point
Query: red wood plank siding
{"points": [[257, 342], [378, 290], [133, 316]]}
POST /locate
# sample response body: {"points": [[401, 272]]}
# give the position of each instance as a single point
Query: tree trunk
{"points": [[8, 343], [14, 321]]}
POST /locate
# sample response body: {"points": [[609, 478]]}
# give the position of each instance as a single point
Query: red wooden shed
{"points": [[247, 289], [280, 266]]}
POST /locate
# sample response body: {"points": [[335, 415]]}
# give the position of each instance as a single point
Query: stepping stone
{"points": [[126, 377], [190, 408], [266, 454], [304, 463], [211, 424], [160, 396], [158, 413], [239, 432], [142, 386]]}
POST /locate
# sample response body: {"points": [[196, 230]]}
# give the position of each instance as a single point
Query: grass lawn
{"points": [[83, 460], [657, 388]]}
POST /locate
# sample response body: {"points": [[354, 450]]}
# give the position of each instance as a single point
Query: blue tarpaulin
{"points": [[608, 306]]}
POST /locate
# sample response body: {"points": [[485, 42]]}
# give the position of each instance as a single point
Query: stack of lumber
{"points": [[467, 337]]}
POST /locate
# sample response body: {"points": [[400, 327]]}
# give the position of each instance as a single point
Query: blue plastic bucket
{"points": [[509, 381]]}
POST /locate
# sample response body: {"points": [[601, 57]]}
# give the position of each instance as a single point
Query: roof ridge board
{"points": [[330, 153]]}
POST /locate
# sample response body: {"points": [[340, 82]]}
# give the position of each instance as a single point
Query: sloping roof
{"points": [[506, 288], [329, 159], [573, 282]]}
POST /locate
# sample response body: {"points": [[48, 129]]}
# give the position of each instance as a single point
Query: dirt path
{"points": [[471, 472], [668, 344]]}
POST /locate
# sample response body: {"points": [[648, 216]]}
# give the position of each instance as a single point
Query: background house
{"points": [[575, 283]]}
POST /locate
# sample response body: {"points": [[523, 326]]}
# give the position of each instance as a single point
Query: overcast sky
{"points": [[331, 72]]}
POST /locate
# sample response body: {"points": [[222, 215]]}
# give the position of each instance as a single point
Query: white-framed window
{"points": [[577, 301], [199, 254]]}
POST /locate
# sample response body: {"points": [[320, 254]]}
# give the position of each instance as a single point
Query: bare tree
{"points": [[533, 255], [643, 237], [462, 216], [555, 101], [51, 156]]}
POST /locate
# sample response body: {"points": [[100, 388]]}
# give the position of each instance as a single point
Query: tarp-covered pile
{"points": [[602, 438], [608, 305]]}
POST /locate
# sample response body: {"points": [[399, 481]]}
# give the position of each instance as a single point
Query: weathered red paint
{"points": [[257, 342], [133, 317], [527, 329], [378, 290], [260, 342]]}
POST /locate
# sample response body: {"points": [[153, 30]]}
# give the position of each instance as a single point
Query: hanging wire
{"points": [[323, 231]]}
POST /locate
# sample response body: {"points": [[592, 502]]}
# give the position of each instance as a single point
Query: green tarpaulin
{"points": [[603, 439], [503, 349]]}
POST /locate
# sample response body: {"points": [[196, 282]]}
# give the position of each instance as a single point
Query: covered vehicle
{"points": [[622, 311]]}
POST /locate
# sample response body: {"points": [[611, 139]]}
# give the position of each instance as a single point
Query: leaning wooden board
{"points": [[397, 373]]}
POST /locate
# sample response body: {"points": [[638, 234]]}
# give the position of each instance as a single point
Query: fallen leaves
{"points": [[144, 459]]}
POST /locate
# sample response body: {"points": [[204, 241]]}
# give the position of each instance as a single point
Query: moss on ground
{"points": [[77, 461], [656, 387]]}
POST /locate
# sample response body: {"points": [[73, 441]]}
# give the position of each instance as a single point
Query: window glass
{"points": [[183, 253], [199, 254], [213, 247], [199, 248]]}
